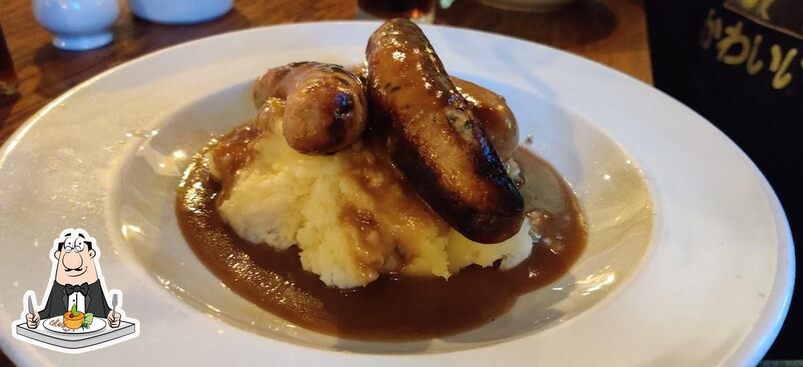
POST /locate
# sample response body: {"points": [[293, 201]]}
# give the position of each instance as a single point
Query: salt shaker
{"points": [[77, 24], [180, 11]]}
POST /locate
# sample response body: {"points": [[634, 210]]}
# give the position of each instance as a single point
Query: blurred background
{"points": [[736, 62]]}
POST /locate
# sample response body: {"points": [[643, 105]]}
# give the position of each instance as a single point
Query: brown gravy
{"points": [[394, 307]]}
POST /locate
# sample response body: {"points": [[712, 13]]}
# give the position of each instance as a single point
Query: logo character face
{"points": [[75, 259], [72, 259], [76, 285]]}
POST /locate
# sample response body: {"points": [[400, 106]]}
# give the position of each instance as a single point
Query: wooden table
{"points": [[611, 32]]}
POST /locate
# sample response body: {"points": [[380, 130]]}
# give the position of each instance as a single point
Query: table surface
{"points": [[610, 32]]}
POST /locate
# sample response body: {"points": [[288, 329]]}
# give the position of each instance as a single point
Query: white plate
{"points": [[96, 325], [689, 260]]}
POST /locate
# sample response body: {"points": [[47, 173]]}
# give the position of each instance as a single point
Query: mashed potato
{"points": [[352, 217]]}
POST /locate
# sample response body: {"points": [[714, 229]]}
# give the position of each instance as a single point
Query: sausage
{"points": [[361, 71], [495, 116], [325, 105], [434, 138], [490, 108]]}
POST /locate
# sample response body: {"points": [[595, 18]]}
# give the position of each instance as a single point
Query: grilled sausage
{"points": [[489, 108], [495, 116], [325, 105], [434, 137]]}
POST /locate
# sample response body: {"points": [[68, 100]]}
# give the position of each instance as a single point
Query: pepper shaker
{"points": [[77, 24]]}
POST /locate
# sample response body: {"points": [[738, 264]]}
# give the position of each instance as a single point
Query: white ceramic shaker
{"points": [[77, 24], [180, 11]]}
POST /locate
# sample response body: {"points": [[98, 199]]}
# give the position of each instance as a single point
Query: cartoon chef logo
{"points": [[75, 314]]}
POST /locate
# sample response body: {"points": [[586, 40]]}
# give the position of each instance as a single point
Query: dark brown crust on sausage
{"points": [[434, 137]]}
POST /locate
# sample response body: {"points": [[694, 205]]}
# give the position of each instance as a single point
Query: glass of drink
{"points": [[419, 11], [8, 78]]}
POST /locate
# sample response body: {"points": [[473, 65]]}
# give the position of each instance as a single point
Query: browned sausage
{"points": [[495, 116], [361, 71], [325, 105], [434, 137], [490, 109]]}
